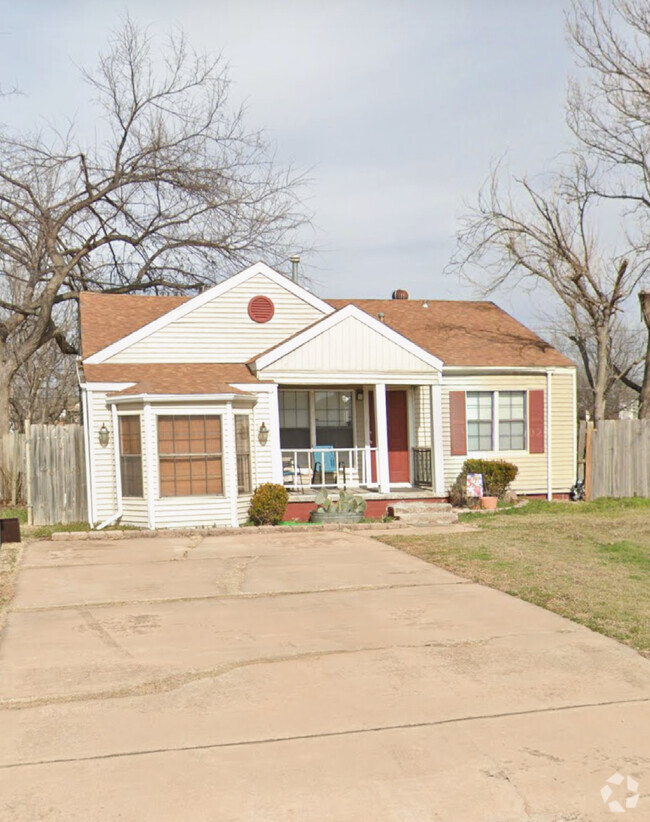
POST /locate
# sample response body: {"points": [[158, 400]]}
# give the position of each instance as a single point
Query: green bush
{"points": [[497, 476], [268, 504]]}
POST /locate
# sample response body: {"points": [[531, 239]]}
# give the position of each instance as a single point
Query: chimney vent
{"points": [[295, 262], [381, 316], [400, 294]]}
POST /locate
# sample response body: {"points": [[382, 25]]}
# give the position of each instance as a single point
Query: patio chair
{"points": [[324, 459]]}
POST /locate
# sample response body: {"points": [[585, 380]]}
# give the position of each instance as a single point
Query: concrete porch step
{"points": [[424, 513]]}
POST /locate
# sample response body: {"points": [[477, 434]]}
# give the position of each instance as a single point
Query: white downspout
{"points": [[118, 474], [87, 441], [549, 479]]}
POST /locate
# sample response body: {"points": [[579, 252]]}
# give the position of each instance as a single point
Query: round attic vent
{"points": [[261, 309]]}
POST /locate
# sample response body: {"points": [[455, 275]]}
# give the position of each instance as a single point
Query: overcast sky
{"points": [[396, 110]]}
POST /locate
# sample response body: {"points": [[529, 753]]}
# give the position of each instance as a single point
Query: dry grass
{"points": [[588, 562]]}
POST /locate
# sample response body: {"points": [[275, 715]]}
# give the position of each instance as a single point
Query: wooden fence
{"points": [[45, 469], [617, 458]]}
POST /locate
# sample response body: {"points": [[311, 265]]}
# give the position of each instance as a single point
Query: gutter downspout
{"points": [[549, 481], [118, 475], [87, 427]]}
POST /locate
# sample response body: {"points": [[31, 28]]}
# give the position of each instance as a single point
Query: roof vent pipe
{"points": [[381, 316], [295, 262], [400, 294]]}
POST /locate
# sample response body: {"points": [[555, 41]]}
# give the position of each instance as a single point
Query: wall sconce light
{"points": [[103, 435], [359, 396], [263, 434]]}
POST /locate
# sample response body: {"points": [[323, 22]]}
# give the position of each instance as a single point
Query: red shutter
{"points": [[536, 422], [457, 423]]}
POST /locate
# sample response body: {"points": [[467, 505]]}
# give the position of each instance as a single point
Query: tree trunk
{"points": [[644, 396], [602, 372], [5, 408]]}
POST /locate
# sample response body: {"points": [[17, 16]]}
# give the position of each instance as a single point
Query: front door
{"points": [[398, 445], [398, 439]]}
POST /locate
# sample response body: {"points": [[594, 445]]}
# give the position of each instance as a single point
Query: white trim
{"points": [[575, 424], [549, 478], [151, 458], [274, 437], [106, 386], [437, 443], [336, 378], [201, 299], [193, 398], [508, 369], [333, 320], [230, 460], [381, 435]]}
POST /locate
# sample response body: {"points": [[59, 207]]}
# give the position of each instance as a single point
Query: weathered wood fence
{"points": [[45, 468], [617, 458]]}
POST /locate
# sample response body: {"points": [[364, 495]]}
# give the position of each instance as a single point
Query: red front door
{"points": [[398, 440], [398, 446]]}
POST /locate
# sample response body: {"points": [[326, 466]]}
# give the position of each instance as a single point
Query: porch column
{"points": [[151, 448], [437, 460], [229, 461], [381, 425], [274, 435]]}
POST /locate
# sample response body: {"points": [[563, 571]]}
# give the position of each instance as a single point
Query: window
{"points": [[512, 420], [333, 411], [131, 456], [189, 451], [294, 419], [243, 450], [479, 420]]}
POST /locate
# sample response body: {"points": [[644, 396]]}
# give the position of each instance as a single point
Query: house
{"points": [[190, 403]]}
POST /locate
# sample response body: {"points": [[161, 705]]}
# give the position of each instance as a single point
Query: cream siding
{"points": [[350, 347], [422, 416], [532, 477], [102, 459], [221, 330]]}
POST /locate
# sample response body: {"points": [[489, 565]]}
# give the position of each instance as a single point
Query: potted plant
{"points": [[348, 508]]}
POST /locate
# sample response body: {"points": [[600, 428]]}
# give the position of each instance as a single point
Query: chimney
{"points": [[295, 262], [400, 294]]}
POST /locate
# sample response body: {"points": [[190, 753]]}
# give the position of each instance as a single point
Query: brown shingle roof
{"points": [[173, 378], [461, 332], [106, 318]]}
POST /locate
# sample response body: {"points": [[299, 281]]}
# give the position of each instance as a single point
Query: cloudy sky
{"points": [[395, 109]]}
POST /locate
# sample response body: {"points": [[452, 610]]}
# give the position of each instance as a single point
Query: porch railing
{"points": [[422, 466], [328, 467]]}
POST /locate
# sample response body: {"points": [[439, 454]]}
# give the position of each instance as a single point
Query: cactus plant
{"points": [[347, 503]]}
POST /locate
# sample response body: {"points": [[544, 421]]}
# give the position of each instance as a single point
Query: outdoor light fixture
{"points": [[359, 396], [263, 434], [103, 435]]}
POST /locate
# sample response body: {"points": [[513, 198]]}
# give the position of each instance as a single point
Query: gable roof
{"points": [[172, 378], [339, 316], [464, 333], [190, 304], [106, 318]]}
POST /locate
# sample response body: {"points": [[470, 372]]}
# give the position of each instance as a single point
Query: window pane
{"points": [[479, 435], [190, 455], [294, 409], [512, 420], [243, 447], [130, 455]]}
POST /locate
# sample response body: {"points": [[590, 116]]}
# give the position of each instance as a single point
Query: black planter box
{"points": [[9, 530]]}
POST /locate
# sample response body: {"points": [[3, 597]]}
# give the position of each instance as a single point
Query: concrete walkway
{"points": [[302, 677]]}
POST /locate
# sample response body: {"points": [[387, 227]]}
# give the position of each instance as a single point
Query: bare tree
{"points": [[546, 238], [174, 193]]}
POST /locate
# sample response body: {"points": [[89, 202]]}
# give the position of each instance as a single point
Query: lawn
{"points": [[589, 562]]}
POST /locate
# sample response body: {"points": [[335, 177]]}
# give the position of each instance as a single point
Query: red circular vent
{"points": [[260, 309]]}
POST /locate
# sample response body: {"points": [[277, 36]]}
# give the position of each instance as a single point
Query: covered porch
{"points": [[379, 438]]}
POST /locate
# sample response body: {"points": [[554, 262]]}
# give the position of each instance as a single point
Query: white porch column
{"points": [[230, 463], [381, 425], [274, 435], [437, 459], [150, 439]]}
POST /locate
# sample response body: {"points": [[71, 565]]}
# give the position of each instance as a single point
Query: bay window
{"points": [[190, 455]]}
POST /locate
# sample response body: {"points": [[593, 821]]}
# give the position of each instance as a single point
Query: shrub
{"points": [[497, 476], [268, 504]]}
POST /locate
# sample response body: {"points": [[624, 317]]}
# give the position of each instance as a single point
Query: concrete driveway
{"points": [[302, 677]]}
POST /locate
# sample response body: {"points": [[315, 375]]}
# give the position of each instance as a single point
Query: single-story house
{"points": [[190, 403]]}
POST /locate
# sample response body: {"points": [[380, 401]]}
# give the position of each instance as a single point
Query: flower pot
{"points": [[489, 503], [326, 517]]}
